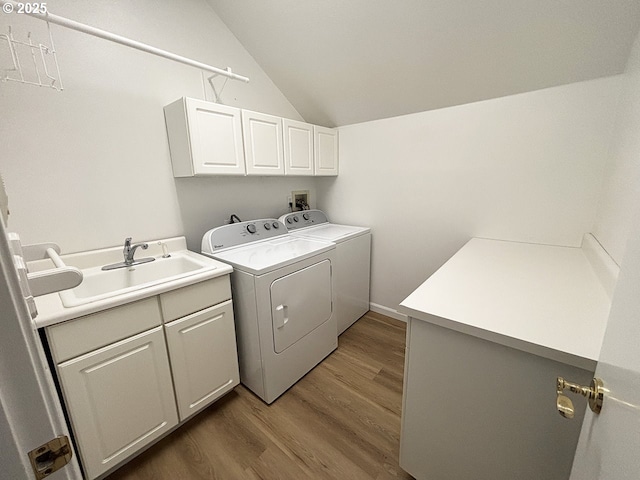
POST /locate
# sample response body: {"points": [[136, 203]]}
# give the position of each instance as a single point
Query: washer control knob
{"points": [[296, 219], [290, 220], [305, 216], [276, 225], [251, 228], [267, 226]]}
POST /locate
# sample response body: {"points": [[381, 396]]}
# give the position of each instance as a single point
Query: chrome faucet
{"points": [[128, 252]]}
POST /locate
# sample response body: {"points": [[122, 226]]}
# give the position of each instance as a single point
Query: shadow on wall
{"points": [[208, 202]]}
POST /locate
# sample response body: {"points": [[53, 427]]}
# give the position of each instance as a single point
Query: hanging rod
{"points": [[96, 32]]}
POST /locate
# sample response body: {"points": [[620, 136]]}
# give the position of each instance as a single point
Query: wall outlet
{"points": [[300, 200]]}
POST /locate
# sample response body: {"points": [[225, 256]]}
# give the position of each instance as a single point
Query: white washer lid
{"points": [[330, 232], [264, 256]]}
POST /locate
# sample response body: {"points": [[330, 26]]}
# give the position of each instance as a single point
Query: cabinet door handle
{"points": [[282, 316]]}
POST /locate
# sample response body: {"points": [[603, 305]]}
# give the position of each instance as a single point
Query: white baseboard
{"points": [[389, 312]]}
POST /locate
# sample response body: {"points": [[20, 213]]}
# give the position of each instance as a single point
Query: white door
{"points": [[298, 147], [204, 358], [300, 302], [609, 443], [120, 398], [216, 138], [325, 144], [262, 143], [30, 413]]}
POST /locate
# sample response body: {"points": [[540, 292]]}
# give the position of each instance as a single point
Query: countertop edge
{"points": [[516, 343]]}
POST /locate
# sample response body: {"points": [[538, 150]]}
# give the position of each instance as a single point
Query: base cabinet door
{"points": [[119, 399], [202, 347]]}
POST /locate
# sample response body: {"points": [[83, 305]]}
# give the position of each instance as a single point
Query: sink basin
{"points": [[98, 284]]}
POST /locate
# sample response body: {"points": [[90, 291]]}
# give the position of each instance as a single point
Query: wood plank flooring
{"points": [[341, 421]]}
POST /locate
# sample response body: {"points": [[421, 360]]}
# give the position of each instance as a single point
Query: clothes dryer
{"points": [[283, 298], [353, 260]]}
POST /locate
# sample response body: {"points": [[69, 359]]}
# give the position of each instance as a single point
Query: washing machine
{"points": [[353, 260], [283, 298]]}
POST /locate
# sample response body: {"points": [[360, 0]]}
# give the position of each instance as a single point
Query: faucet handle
{"points": [[127, 247]]}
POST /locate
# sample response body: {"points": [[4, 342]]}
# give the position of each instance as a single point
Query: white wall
{"points": [[621, 188], [90, 165], [208, 202], [526, 167]]}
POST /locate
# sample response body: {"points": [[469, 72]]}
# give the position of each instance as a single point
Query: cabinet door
{"points": [[215, 134], [263, 143], [298, 147], [204, 358], [326, 150], [119, 399]]}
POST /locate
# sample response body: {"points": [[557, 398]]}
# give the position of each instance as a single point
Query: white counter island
{"points": [[487, 335]]}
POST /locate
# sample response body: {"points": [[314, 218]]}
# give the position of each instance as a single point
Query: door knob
{"points": [[593, 393]]}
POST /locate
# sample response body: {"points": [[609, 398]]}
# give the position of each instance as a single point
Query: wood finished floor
{"points": [[341, 421]]}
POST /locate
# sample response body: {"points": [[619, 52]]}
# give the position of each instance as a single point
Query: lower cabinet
{"points": [[119, 399], [203, 354], [133, 373], [473, 409]]}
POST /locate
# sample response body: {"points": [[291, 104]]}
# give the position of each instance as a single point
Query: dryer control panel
{"points": [[241, 233], [305, 218]]}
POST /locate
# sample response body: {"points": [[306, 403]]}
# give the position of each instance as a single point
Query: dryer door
{"points": [[300, 302]]}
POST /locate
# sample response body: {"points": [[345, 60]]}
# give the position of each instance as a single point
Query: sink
{"points": [[98, 284]]}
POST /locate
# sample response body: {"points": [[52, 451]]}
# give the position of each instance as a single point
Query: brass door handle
{"points": [[594, 394]]}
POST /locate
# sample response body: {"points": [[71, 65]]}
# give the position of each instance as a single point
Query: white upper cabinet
{"points": [[204, 138], [263, 143], [207, 138], [298, 147], [326, 151]]}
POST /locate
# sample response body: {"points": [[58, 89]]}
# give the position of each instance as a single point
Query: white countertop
{"points": [[52, 311], [542, 299]]}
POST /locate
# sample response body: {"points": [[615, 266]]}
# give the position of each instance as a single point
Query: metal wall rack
{"points": [[39, 56]]}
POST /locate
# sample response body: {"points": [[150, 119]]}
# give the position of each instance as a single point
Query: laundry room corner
{"points": [[426, 183]]}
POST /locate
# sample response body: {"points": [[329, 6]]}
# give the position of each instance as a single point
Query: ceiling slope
{"points": [[348, 61]]}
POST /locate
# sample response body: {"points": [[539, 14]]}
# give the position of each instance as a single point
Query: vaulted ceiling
{"points": [[347, 61]]}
